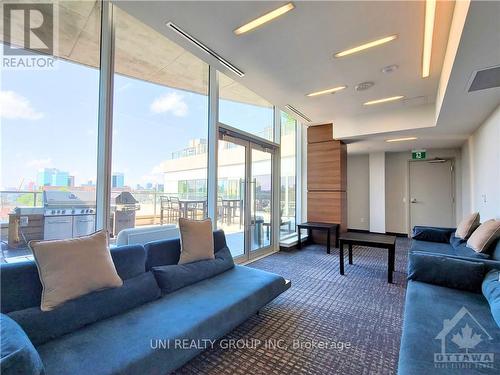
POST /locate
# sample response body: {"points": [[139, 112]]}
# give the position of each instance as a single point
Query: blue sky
{"points": [[49, 119]]}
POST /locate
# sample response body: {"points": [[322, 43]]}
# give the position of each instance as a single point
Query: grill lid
{"points": [[57, 198]]}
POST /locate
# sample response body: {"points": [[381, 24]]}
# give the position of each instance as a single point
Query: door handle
{"points": [[413, 200]]}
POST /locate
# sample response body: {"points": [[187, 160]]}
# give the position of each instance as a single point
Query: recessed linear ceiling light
{"points": [[430, 12], [204, 48], [362, 47], [327, 91], [384, 100], [401, 139], [297, 112], [264, 19]]}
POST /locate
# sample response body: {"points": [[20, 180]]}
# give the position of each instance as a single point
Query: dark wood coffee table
{"points": [[327, 227], [372, 240]]}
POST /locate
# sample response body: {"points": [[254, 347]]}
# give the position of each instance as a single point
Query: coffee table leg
{"points": [[391, 263], [341, 257], [328, 241], [350, 253], [299, 243]]}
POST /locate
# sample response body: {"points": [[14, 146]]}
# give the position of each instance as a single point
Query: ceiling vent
{"points": [[485, 79], [363, 86]]}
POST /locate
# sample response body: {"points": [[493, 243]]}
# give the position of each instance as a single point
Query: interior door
{"points": [[431, 189], [245, 195]]}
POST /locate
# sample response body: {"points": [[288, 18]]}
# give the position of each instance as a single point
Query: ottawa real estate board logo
{"points": [[463, 340], [28, 35]]}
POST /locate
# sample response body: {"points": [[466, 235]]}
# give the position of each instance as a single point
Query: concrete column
{"points": [[377, 192]]}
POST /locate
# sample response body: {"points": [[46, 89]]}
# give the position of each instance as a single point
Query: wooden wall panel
{"points": [[326, 179], [320, 133], [327, 206], [324, 166]]}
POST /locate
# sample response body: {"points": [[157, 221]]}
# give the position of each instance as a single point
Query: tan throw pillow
{"points": [[71, 268], [197, 240], [484, 236], [467, 226]]}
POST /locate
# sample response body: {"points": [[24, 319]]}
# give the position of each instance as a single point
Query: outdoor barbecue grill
{"points": [[124, 207]]}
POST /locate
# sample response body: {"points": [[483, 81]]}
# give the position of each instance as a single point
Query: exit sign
{"points": [[418, 154]]}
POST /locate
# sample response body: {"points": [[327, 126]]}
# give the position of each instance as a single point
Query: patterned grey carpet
{"points": [[359, 309]]}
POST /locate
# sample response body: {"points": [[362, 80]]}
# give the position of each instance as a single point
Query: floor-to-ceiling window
{"points": [[243, 109], [49, 130], [49, 117], [288, 174], [160, 128], [245, 173]]}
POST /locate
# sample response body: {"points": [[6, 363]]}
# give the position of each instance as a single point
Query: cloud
{"points": [[171, 102], [14, 106], [158, 169], [39, 163]]}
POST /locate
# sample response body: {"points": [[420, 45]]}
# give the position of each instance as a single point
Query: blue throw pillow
{"points": [[18, 355], [445, 271], [42, 326], [176, 276], [491, 290], [432, 234]]}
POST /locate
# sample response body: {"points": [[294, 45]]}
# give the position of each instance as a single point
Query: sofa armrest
{"points": [[19, 356], [432, 234], [446, 271]]}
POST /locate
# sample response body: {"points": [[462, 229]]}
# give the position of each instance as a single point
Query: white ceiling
{"points": [[292, 56]]}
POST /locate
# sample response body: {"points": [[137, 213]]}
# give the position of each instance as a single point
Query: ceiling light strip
{"points": [[384, 100], [205, 49], [297, 112], [362, 47], [401, 139], [430, 12], [327, 91], [264, 19]]}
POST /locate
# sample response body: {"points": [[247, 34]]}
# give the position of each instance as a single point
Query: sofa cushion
{"points": [[456, 241], [176, 276], [18, 356], [495, 252], [432, 234], [467, 226], [42, 326], [71, 268], [197, 241], [484, 236], [491, 290], [446, 249], [166, 252], [21, 288], [446, 271], [427, 308], [128, 343]]}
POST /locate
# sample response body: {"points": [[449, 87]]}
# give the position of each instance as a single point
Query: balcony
{"points": [[154, 208]]}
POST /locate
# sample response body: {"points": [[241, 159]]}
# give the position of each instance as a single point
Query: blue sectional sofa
{"points": [[134, 329], [452, 309]]}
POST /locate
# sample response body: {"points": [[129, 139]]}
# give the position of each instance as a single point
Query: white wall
{"points": [[396, 197], [377, 192], [396, 209], [482, 176], [358, 193]]}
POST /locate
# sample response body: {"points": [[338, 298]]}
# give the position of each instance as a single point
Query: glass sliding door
{"points": [[245, 195], [260, 198], [231, 174]]}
